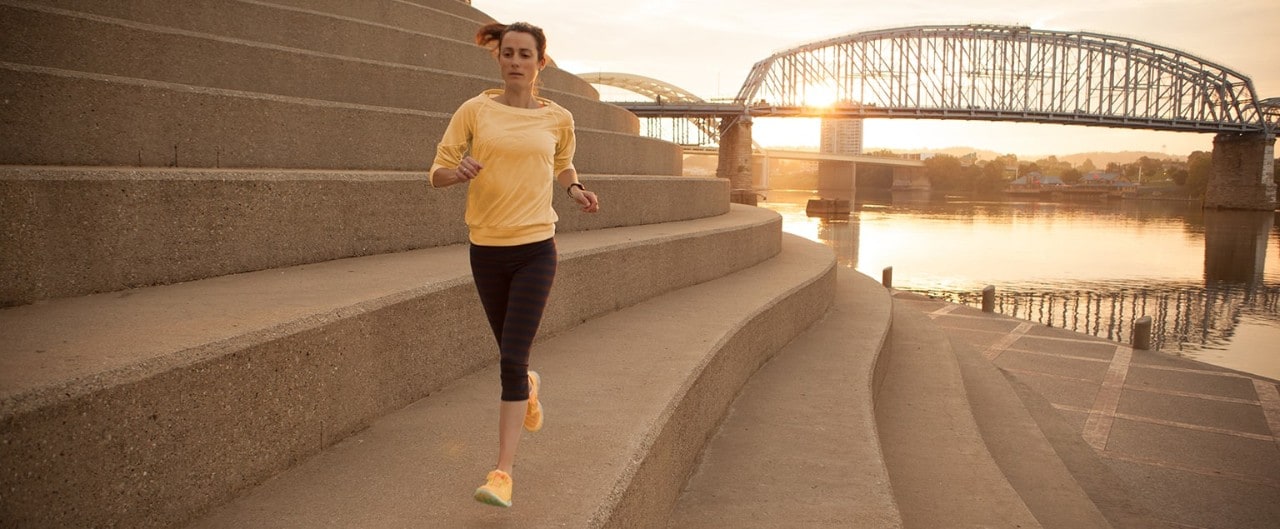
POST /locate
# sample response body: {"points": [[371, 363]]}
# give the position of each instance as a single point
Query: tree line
{"points": [[951, 173]]}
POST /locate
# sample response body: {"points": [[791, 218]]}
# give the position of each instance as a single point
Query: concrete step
{"points": [[35, 35], [64, 117], [1049, 367], [445, 43], [799, 447], [630, 399], [144, 407], [942, 472], [68, 232], [447, 18]]}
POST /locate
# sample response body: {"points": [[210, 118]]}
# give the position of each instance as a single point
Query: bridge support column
{"points": [[1243, 165], [735, 158], [837, 179]]}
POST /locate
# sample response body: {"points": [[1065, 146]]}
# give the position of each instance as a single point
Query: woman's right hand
{"points": [[468, 169]]}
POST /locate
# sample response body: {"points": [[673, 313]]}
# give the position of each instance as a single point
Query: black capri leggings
{"points": [[514, 282]]}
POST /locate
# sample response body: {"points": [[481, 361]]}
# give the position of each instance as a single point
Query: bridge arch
{"points": [[660, 92], [1009, 73]]}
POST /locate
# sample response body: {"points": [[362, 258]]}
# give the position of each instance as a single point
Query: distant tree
{"points": [[1199, 169], [1179, 176], [1113, 167], [1130, 171], [1052, 166], [1087, 166], [882, 152], [945, 172], [1070, 175], [1151, 169], [991, 178]]}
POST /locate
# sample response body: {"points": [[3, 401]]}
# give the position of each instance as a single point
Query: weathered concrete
{"points": [[76, 231], [306, 29], [36, 36], [942, 473], [75, 118], [840, 178], [146, 407], [799, 447], [1155, 440], [1243, 169]]}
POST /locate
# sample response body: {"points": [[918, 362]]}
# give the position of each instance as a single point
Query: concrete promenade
{"points": [[1154, 440]]}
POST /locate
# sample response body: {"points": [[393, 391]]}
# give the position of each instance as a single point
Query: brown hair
{"points": [[494, 33]]}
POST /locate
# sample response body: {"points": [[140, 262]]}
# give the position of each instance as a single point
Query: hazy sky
{"points": [[708, 47]]}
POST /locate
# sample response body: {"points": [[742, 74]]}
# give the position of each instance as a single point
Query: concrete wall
{"points": [[76, 231], [157, 442]]}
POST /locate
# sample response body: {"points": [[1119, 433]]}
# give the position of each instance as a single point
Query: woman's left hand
{"points": [[588, 200]]}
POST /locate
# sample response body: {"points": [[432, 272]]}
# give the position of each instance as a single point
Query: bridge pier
{"points": [[1243, 165], [838, 178], [735, 158]]}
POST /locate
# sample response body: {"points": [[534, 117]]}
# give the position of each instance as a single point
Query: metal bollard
{"points": [[989, 299], [886, 278], [1142, 333]]}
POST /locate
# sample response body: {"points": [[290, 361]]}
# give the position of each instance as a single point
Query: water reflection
{"points": [[1203, 276]]}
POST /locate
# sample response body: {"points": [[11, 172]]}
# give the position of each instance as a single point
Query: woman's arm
{"points": [[468, 168], [587, 199]]}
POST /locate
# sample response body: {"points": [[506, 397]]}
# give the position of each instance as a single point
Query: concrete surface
{"points": [[1155, 440], [799, 447], [79, 118], [34, 35], [172, 398], [941, 471], [76, 231], [630, 399]]}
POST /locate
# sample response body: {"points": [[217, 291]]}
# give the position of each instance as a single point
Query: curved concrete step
{"points": [[77, 118], [799, 446], [630, 398], [282, 25], [36, 36], [448, 18], [942, 472], [144, 407], [76, 231]]}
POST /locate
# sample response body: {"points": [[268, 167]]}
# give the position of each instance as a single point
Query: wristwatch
{"points": [[569, 190]]}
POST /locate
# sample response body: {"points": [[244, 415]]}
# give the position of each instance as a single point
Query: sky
{"points": [[709, 46]]}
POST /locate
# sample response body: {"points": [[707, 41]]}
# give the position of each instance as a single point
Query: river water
{"points": [[1210, 280]]}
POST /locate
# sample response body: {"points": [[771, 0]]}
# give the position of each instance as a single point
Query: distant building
{"points": [[841, 136], [1034, 178], [1099, 178]]}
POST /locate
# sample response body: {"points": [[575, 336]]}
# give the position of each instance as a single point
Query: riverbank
{"points": [[1092, 267]]}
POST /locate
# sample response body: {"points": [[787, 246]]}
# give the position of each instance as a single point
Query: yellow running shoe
{"points": [[533, 415], [496, 491]]}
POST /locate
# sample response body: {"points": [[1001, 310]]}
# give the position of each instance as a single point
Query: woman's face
{"points": [[518, 59]]}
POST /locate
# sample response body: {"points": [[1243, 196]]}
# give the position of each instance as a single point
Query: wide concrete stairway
{"points": [[231, 299]]}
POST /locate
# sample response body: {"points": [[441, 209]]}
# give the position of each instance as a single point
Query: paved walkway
{"points": [[1192, 445]]}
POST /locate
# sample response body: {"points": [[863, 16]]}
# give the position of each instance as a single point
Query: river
{"points": [[1204, 276]]}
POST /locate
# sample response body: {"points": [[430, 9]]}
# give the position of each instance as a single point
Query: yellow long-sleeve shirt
{"points": [[521, 151]]}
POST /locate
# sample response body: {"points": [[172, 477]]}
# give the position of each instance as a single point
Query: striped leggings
{"points": [[514, 282]]}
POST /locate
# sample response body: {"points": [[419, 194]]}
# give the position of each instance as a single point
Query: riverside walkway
{"points": [[970, 419], [1154, 440]]}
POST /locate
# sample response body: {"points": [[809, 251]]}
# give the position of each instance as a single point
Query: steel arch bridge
{"points": [[981, 72], [1010, 73], [704, 129]]}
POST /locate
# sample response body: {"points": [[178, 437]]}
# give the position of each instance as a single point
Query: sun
{"points": [[820, 95]]}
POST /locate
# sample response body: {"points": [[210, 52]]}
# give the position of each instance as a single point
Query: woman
{"points": [[518, 143]]}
